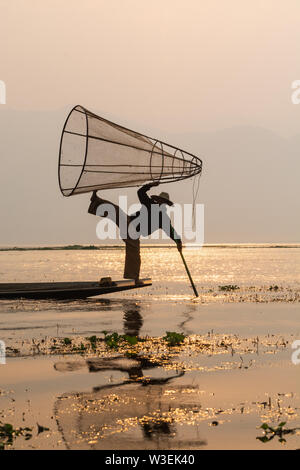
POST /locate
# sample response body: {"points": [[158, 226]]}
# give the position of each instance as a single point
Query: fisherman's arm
{"points": [[142, 194]]}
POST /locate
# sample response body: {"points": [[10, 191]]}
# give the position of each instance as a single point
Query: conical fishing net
{"points": [[98, 154]]}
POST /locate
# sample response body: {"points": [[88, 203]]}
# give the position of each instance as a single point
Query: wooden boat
{"points": [[66, 290]]}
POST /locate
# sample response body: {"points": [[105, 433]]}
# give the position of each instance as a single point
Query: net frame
{"points": [[191, 165]]}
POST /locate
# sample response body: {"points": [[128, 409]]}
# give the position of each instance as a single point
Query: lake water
{"points": [[232, 373]]}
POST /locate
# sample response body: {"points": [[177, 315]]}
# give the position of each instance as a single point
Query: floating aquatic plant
{"points": [[271, 432], [275, 288], [114, 340], [67, 341], [229, 287], [173, 338], [8, 434]]}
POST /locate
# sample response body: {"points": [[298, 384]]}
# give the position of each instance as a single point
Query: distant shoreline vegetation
{"points": [[120, 247]]}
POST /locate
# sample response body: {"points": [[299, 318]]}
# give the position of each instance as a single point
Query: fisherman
{"points": [[151, 217]]}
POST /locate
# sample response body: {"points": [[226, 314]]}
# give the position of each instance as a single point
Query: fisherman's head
{"points": [[162, 198]]}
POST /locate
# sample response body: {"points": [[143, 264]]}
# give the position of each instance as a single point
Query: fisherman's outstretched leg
{"points": [[95, 203]]}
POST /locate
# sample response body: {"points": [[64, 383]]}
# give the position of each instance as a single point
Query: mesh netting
{"points": [[98, 154]]}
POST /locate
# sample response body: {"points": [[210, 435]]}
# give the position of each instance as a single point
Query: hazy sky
{"points": [[179, 70]]}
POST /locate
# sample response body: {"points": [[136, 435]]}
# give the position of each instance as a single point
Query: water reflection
{"points": [[141, 410], [150, 397], [138, 412], [188, 316], [133, 320]]}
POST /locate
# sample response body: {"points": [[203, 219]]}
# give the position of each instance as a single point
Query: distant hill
{"points": [[250, 184]]}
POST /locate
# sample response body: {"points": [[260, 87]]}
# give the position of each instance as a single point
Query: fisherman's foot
{"points": [[94, 204], [94, 196]]}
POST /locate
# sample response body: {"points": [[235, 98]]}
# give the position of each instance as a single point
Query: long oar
{"points": [[189, 274]]}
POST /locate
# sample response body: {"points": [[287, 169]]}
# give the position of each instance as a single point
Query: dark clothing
{"points": [[163, 221], [133, 259]]}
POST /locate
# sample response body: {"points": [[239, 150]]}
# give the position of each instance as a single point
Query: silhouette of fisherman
{"points": [[152, 216]]}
